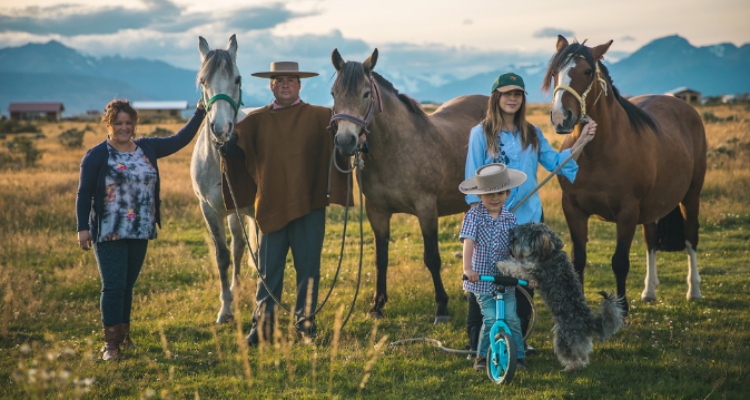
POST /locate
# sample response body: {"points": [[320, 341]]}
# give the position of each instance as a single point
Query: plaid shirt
{"points": [[491, 243]]}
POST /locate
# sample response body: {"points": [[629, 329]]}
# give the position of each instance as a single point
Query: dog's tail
{"points": [[611, 317]]}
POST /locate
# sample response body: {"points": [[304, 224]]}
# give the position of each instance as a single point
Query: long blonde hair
{"points": [[493, 124]]}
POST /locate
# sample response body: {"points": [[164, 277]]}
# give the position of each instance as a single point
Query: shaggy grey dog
{"points": [[539, 256]]}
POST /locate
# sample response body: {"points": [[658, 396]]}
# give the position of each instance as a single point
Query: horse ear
{"points": [[336, 59], [561, 42], [232, 47], [203, 47], [598, 51], [369, 64]]}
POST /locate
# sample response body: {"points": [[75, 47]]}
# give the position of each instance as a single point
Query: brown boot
{"points": [[126, 344], [112, 339]]}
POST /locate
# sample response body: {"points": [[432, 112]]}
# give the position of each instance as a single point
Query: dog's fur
{"points": [[539, 256]]}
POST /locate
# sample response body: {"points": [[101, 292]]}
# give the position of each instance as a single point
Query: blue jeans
{"points": [[120, 262], [488, 306]]}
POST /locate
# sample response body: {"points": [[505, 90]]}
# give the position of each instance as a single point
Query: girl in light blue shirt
{"points": [[505, 136]]}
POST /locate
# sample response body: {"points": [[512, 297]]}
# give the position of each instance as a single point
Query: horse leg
{"points": [[428, 221], [690, 207], [381, 226], [626, 223], [238, 247], [218, 235], [651, 282], [578, 225]]}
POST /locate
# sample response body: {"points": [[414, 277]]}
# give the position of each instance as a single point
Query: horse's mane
{"points": [[637, 117], [409, 102], [214, 60], [352, 74]]}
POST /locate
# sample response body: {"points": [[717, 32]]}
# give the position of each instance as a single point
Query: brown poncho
{"points": [[285, 170]]}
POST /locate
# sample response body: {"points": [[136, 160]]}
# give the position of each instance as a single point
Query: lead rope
{"points": [[559, 167], [358, 164]]}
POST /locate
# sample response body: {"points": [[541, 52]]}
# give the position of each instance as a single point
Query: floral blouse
{"points": [[129, 205]]}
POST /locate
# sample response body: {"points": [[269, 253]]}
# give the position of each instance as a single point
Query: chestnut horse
{"points": [[646, 165], [414, 162]]}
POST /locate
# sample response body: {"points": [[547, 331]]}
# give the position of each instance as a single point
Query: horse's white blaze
{"points": [[557, 114], [693, 278], [652, 280]]}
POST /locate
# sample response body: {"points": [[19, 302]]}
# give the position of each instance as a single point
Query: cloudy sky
{"points": [[461, 37]]}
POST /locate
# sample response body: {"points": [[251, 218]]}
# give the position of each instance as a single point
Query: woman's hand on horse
{"points": [[84, 240], [200, 105], [587, 134], [589, 130]]}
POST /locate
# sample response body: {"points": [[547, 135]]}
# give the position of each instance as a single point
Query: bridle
{"points": [[582, 97], [221, 96], [370, 113]]}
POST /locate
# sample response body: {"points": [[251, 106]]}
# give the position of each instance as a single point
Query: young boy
{"points": [[486, 239]]}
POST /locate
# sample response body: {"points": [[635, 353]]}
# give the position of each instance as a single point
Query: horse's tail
{"points": [[611, 316], [670, 234]]}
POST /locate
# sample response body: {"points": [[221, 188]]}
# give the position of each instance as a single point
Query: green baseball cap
{"points": [[507, 82]]}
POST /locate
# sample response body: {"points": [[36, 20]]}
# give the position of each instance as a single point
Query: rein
{"points": [[582, 97]]}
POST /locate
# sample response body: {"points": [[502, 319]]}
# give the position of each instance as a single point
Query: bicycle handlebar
{"points": [[501, 280]]}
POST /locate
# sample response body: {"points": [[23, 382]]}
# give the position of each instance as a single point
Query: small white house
{"points": [[160, 109]]}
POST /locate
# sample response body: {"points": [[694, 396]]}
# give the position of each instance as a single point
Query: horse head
{"points": [[354, 95], [577, 75], [221, 92]]}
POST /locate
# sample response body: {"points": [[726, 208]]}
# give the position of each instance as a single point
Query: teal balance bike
{"points": [[501, 354]]}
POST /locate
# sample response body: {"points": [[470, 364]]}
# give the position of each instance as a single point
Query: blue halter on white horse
{"points": [[221, 95]]}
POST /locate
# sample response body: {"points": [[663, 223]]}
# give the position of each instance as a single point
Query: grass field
{"points": [[50, 329]]}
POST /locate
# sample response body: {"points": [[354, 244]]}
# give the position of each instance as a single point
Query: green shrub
{"points": [[160, 132], [72, 138], [24, 146], [14, 126]]}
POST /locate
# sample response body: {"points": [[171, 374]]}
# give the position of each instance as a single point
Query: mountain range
{"points": [[54, 72]]}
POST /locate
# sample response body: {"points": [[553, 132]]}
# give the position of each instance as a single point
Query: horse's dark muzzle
{"points": [[345, 144]]}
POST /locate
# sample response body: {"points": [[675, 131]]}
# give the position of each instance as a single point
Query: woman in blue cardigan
{"points": [[117, 209]]}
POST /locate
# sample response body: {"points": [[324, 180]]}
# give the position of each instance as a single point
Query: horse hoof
{"points": [[694, 296], [375, 314], [223, 319], [648, 299], [441, 319]]}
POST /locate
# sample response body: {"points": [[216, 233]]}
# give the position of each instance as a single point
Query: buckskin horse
{"points": [[646, 165], [414, 162]]}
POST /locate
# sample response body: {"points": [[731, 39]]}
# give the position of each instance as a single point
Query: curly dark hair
{"points": [[114, 107]]}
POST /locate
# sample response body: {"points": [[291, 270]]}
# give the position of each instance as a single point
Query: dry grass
{"points": [[49, 317]]}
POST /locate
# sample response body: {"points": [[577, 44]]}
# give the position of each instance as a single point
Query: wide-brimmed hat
{"points": [[284, 68], [507, 82], [492, 178]]}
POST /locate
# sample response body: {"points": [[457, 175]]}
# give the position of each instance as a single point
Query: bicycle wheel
{"points": [[501, 359]]}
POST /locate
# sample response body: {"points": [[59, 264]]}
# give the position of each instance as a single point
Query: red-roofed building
{"points": [[51, 111]]}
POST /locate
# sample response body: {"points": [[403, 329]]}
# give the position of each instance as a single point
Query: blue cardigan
{"points": [[91, 186]]}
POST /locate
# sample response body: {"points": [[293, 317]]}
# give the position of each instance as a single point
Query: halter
{"points": [[221, 96], [371, 113], [582, 97]]}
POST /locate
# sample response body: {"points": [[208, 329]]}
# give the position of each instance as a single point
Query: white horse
{"points": [[221, 96]]}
